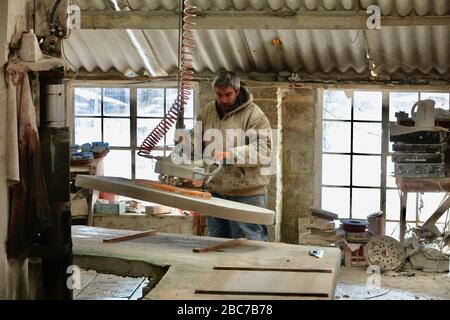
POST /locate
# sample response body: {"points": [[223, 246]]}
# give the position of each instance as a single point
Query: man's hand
{"points": [[221, 156]]}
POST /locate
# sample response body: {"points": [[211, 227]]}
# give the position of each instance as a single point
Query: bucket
{"points": [[376, 226]]}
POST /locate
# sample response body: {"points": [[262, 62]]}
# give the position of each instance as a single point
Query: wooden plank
{"points": [[156, 209], [429, 225], [227, 244], [324, 214], [215, 207], [164, 20], [165, 187], [321, 224], [273, 283], [423, 184], [131, 237]]}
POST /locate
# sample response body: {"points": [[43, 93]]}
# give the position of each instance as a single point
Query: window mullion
{"points": [[351, 153], [384, 149], [102, 115], [133, 130]]}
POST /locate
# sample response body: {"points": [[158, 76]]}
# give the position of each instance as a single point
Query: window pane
{"points": [[88, 101], [145, 168], [393, 206], [367, 138], [118, 164], [336, 136], [188, 108], [365, 202], [393, 229], [367, 105], [401, 101], [336, 105], [441, 99], [390, 179], [87, 130], [335, 170], [170, 136], [336, 200], [116, 102], [150, 102], [366, 171], [117, 132], [144, 127], [431, 202]]}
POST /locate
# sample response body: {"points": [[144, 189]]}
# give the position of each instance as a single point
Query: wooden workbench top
{"points": [[423, 184], [253, 270]]}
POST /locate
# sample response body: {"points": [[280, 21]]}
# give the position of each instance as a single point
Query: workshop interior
{"points": [[224, 150]]}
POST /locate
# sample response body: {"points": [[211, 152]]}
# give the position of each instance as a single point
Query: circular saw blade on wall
{"points": [[386, 253]]}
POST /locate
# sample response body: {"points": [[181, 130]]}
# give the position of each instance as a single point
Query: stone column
{"points": [[295, 182]]}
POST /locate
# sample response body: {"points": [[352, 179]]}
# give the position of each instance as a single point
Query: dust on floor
{"points": [[356, 283], [353, 284], [96, 286]]}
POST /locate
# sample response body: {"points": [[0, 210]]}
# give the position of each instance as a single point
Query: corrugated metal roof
{"points": [[388, 7], [419, 51]]}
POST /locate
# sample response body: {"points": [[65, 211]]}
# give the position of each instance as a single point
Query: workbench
{"points": [[422, 185], [250, 270]]}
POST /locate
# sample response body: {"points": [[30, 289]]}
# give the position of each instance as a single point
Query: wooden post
{"points": [[403, 200]]}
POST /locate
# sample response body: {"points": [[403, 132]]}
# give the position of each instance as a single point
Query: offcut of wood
{"points": [[321, 224], [324, 214], [165, 187], [227, 244], [215, 207], [131, 237]]}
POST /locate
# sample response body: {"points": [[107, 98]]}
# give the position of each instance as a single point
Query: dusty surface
{"points": [[179, 271], [352, 284]]}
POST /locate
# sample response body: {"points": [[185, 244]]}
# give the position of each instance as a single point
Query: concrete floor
{"points": [[96, 286], [352, 285]]}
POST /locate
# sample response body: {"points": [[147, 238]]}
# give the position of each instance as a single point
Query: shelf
{"points": [[47, 63]]}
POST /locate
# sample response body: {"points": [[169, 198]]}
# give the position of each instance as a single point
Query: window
{"points": [[124, 117], [356, 156]]}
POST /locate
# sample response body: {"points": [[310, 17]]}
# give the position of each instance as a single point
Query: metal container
{"points": [[376, 226], [54, 105]]}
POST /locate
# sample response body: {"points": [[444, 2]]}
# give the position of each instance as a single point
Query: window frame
{"points": [[133, 117], [385, 143]]}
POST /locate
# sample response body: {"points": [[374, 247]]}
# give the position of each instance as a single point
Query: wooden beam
{"points": [[164, 20]]}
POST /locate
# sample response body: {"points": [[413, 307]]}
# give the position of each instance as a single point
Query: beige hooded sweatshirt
{"points": [[246, 133]]}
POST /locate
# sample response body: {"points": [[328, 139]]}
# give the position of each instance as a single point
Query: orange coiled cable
{"points": [[185, 85]]}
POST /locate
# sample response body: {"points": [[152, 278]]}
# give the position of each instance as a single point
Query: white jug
{"points": [[424, 116]]}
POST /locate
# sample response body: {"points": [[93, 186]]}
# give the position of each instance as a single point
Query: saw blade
{"points": [[386, 253]]}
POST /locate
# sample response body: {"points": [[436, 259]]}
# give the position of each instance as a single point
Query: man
{"points": [[233, 111]]}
